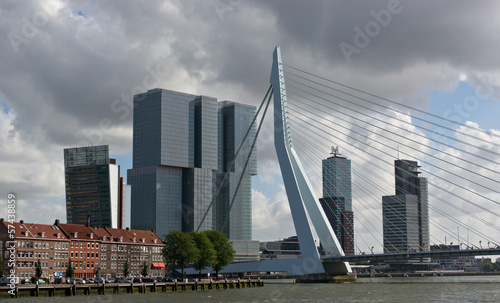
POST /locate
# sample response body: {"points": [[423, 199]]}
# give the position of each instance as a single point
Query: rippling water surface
{"points": [[417, 289]]}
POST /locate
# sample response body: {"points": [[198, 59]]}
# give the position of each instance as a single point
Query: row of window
{"points": [[81, 264], [41, 245], [89, 245], [89, 255]]}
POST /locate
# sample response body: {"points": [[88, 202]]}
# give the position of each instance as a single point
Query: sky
{"points": [[69, 69]]}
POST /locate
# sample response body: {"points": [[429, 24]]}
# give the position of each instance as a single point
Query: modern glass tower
{"points": [[406, 214], [234, 212], [337, 199], [176, 158], [93, 187]]}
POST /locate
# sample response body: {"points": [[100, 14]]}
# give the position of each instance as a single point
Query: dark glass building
{"points": [[406, 214], [176, 160], [234, 122], [94, 189], [337, 199]]}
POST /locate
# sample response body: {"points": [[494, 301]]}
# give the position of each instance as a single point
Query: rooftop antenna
{"points": [[335, 151]]}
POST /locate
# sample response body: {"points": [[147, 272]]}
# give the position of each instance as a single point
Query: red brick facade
{"points": [[93, 251]]}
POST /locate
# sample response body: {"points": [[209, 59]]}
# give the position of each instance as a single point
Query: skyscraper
{"points": [[94, 188], [406, 214], [176, 157], [234, 121], [337, 199]]}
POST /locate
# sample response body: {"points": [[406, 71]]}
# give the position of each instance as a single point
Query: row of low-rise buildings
{"points": [[92, 251]]}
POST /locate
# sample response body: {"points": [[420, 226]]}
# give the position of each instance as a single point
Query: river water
{"points": [[409, 289]]}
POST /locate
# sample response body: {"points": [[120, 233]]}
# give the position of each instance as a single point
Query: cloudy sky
{"points": [[68, 71]]}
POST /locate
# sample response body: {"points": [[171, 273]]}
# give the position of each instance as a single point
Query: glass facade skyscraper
{"points": [[337, 199], [234, 122], [93, 187], [176, 162], [406, 214]]}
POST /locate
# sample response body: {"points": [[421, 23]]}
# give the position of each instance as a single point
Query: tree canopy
{"points": [[125, 269], [69, 270], [224, 249], [144, 271], [38, 269], [180, 250], [207, 253]]}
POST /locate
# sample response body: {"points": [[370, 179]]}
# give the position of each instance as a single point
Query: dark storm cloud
{"points": [[68, 69]]}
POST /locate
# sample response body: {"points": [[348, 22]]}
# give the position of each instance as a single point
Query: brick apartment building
{"points": [[93, 251]]}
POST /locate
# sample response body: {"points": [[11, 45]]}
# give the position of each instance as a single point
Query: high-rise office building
{"points": [[94, 188], [406, 214], [337, 199], [234, 211], [175, 162]]}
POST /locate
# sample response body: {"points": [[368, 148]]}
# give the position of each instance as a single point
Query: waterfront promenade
{"points": [[106, 288]]}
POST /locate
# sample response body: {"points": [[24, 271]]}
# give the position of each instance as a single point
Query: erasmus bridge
{"points": [[461, 159]]}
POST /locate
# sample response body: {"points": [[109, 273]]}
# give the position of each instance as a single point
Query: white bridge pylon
{"points": [[306, 210]]}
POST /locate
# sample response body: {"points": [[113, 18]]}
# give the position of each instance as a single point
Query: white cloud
{"points": [[271, 219]]}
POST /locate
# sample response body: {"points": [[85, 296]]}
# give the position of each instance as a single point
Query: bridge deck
{"points": [[414, 255]]}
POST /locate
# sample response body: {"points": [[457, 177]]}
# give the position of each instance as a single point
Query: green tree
{"points": [[180, 250], [38, 269], [207, 255], [144, 271], [224, 249], [2, 272], [69, 270], [125, 269], [496, 266], [487, 266]]}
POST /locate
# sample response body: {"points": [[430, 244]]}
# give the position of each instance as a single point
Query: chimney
{"points": [[127, 229], [22, 221], [57, 222], [88, 221]]}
